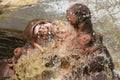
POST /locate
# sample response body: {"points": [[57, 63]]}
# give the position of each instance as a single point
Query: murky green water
{"points": [[105, 17]]}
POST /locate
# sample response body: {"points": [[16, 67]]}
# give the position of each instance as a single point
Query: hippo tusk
{"points": [[39, 47], [53, 45]]}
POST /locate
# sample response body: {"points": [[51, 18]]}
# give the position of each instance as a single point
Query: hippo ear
{"points": [[8, 42]]}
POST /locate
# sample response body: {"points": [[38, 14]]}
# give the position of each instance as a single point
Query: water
{"points": [[105, 17]]}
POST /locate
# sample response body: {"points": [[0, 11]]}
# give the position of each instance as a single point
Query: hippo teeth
{"points": [[36, 30]]}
